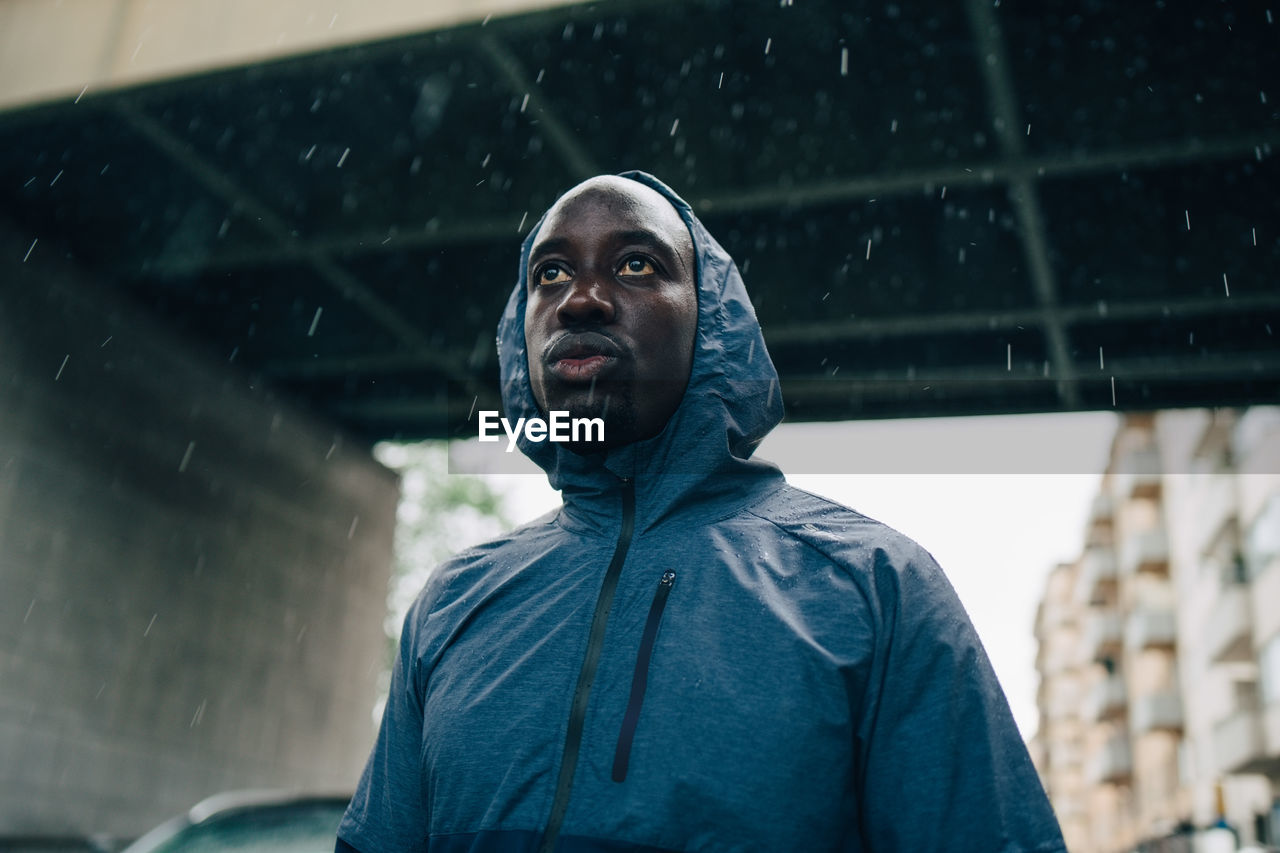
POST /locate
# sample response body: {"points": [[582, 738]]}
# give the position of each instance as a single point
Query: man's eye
{"points": [[637, 266], [552, 274]]}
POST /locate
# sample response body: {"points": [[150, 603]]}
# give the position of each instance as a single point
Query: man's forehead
{"points": [[630, 201]]}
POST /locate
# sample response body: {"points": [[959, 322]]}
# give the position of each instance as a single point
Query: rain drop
{"points": [[186, 457]]}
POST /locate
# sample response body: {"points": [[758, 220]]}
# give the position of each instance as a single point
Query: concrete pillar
{"points": [[193, 573]]}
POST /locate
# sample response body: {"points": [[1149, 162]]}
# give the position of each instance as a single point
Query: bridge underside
{"points": [[987, 208]]}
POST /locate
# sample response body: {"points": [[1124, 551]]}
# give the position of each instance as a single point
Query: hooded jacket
{"points": [[693, 655]]}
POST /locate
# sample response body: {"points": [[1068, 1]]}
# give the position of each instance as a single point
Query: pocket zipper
{"points": [[622, 756]]}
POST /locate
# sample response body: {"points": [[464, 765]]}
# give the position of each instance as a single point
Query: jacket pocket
{"points": [[639, 680]]}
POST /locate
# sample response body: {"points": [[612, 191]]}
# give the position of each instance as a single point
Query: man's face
{"points": [[612, 308]]}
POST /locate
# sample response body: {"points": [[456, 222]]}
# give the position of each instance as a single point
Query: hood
{"points": [[731, 403]]}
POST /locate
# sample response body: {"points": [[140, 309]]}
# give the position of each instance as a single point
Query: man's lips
{"points": [[582, 357], [581, 369]]}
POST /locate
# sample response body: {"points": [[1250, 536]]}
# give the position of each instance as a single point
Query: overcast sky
{"points": [[998, 501]]}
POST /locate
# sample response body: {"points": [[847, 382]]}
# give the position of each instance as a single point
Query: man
{"points": [[690, 654]]}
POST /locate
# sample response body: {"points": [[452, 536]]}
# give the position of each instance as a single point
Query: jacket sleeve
{"points": [[388, 810], [940, 762]]}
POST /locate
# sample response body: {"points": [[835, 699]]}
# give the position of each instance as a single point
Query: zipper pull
{"points": [[668, 578]]}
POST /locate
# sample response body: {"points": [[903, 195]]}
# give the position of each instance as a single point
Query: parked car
{"points": [[250, 822]]}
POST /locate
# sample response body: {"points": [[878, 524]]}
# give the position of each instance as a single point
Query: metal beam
{"points": [[381, 364], [836, 331], [1260, 366], [830, 332], [346, 285], [491, 230], [580, 163], [1007, 172], [1023, 194]]}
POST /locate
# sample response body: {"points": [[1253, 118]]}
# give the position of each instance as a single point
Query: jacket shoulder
{"points": [[843, 535], [470, 566]]}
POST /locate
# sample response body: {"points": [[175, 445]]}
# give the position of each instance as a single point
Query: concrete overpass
{"points": [[239, 246]]}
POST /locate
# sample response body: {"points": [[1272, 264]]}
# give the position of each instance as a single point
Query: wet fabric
{"points": [[809, 681]]}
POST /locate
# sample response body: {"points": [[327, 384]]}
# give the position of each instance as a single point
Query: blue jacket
{"points": [[692, 655]]}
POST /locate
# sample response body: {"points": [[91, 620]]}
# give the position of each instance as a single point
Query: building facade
{"points": [[1160, 645]]}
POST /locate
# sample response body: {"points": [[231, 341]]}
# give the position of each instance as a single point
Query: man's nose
{"points": [[588, 301]]}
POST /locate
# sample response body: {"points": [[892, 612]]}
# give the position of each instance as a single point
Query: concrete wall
{"points": [[193, 575]]}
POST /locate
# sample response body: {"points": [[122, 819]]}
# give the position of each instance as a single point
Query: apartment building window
{"points": [[1269, 661], [1262, 545]]}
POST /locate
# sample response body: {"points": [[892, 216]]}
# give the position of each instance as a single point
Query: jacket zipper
{"points": [[622, 756], [587, 674]]}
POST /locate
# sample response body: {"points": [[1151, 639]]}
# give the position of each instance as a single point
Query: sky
{"points": [[998, 501]]}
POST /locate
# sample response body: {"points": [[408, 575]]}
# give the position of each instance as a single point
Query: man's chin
{"points": [[591, 403], [614, 412]]}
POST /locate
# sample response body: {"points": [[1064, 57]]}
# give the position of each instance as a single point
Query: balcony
{"points": [[1145, 551], [1216, 505], [1101, 509], [1063, 699], [1238, 742], [1060, 659], [1097, 575], [1112, 763], [1106, 701], [1151, 627], [1137, 474], [1159, 711], [1228, 634], [1103, 633]]}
